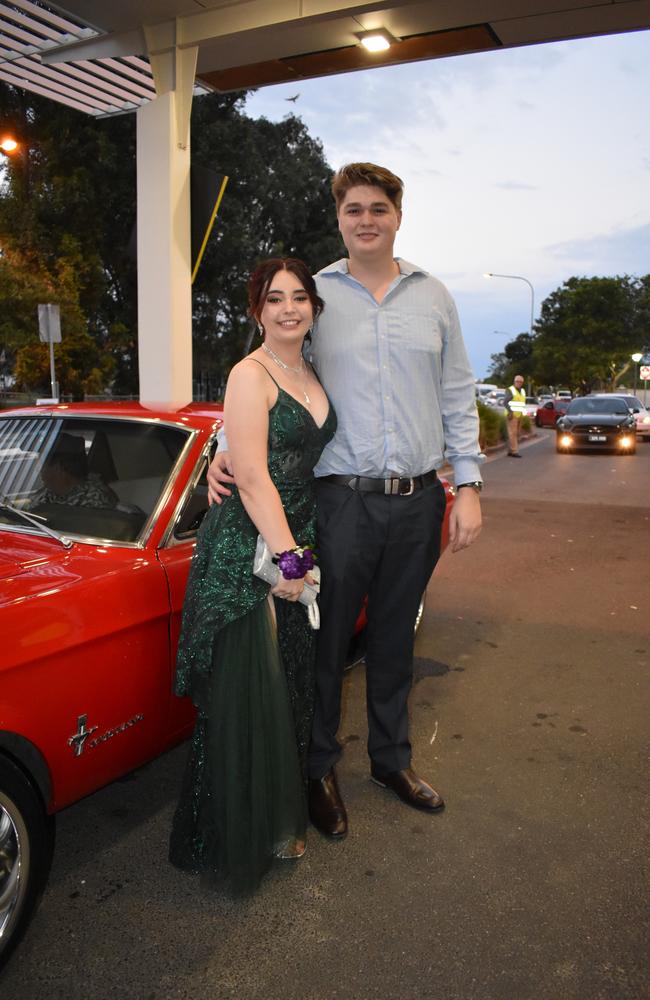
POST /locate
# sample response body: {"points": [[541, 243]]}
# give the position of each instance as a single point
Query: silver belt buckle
{"points": [[394, 486]]}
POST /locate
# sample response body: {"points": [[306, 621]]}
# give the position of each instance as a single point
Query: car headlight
{"points": [[626, 442], [566, 440], [645, 420]]}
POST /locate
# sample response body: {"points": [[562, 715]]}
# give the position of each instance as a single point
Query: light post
{"points": [[519, 277], [636, 358]]}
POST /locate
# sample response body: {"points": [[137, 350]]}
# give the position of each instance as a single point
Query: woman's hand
{"points": [[288, 590]]}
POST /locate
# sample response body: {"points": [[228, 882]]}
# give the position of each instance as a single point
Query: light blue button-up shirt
{"points": [[398, 376]]}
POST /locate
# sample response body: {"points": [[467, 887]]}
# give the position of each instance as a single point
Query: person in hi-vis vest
{"points": [[515, 404]]}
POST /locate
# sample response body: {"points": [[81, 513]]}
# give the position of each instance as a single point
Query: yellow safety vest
{"points": [[517, 404]]}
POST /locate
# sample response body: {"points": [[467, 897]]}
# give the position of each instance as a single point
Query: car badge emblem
{"points": [[78, 741]]}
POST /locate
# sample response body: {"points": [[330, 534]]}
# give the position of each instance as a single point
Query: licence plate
{"points": [[596, 437]]}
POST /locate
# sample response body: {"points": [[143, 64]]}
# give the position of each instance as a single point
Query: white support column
{"points": [[164, 250]]}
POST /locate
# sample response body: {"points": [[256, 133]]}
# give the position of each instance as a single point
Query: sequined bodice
{"points": [[295, 441]]}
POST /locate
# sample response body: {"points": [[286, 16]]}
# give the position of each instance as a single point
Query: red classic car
{"points": [[91, 591], [548, 413]]}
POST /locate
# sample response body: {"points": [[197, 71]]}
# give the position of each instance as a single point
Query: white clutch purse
{"points": [[266, 569]]}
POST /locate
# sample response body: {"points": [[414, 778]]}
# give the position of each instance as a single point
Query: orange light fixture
{"points": [[8, 144]]}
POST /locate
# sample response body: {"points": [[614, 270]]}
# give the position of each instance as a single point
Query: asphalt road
{"points": [[530, 715]]}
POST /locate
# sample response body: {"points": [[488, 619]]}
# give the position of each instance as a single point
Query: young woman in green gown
{"points": [[246, 656]]}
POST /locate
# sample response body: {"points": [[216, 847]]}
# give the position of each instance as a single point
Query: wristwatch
{"points": [[477, 486]]}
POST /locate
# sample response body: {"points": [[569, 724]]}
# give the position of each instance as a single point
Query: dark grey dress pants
{"points": [[385, 547]]}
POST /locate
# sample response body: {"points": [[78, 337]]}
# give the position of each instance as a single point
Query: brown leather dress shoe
{"points": [[410, 788], [326, 809]]}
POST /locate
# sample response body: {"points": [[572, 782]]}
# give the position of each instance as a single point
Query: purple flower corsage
{"points": [[294, 563]]}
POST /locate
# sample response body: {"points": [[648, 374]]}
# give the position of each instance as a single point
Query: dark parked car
{"points": [[597, 422], [641, 414], [547, 415]]}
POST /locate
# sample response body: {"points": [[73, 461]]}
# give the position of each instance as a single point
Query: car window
{"points": [[597, 404], [94, 477], [194, 507]]}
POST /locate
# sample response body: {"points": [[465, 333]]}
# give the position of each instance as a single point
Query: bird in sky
{"points": [[294, 98]]}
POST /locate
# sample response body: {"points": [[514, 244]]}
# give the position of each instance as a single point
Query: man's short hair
{"points": [[356, 174]]}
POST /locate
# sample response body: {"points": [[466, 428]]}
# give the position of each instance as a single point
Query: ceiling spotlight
{"points": [[376, 41]]}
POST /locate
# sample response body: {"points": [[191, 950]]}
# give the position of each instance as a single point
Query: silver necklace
{"points": [[288, 368], [301, 369]]}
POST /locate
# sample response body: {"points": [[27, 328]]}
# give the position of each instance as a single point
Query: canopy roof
{"points": [[94, 56]]}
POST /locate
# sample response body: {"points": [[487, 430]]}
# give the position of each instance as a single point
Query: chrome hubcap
{"points": [[14, 853], [420, 613]]}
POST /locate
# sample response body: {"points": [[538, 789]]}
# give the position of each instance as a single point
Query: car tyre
{"points": [[538, 422], [26, 848]]}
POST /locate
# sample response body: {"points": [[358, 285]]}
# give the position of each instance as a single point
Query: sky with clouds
{"points": [[531, 161]]}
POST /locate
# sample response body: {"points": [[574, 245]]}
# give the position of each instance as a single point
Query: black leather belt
{"points": [[401, 486]]}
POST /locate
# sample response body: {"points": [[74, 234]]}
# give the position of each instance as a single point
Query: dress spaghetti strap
{"points": [[265, 369]]}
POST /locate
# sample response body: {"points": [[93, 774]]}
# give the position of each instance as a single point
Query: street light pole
{"points": [[636, 358], [519, 277]]}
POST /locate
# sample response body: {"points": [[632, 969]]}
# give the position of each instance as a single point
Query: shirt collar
{"points": [[341, 267]]}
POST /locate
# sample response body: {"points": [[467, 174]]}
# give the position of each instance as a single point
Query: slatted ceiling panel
{"points": [[51, 17], [96, 87]]}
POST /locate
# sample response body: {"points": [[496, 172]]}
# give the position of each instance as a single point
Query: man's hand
{"points": [[465, 519], [219, 473]]}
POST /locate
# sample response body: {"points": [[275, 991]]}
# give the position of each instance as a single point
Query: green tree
{"points": [[515, 359], [277, 203], [25, 281], [588, 329], [75, 186]]}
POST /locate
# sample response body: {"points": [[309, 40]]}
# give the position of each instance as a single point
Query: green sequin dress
{"points": [[243, 793]]}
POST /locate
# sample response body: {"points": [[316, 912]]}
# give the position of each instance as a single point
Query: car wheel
{"points": [[420, 614], [538, 422], [26, 846]]}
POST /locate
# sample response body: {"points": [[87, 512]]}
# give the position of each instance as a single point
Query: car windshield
{"points": [[93, 477], [597, 404]]}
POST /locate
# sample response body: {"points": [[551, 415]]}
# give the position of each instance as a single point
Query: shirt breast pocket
{"points": [[420, 331]]}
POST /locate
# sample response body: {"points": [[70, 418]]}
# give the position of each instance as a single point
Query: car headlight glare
{"points": [[566, 440], [626, 442]]}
